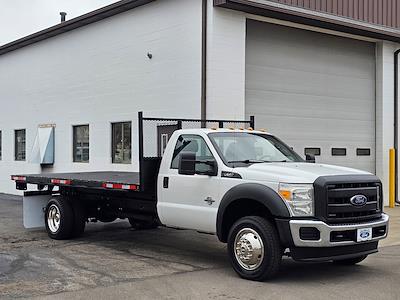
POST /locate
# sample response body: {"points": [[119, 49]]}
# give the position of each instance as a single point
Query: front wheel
{"points": [[350, 261], [254, 248]]}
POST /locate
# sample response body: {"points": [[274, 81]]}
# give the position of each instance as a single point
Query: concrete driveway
{"points": [[114, 261]]}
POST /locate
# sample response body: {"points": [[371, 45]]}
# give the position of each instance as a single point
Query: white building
{"points": [[321, 78]]}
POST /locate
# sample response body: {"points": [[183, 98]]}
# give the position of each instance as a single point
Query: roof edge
{"points": [[309, 18], [83, 20]]}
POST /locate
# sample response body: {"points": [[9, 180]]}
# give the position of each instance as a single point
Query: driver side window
{"points": [[195, 144]]}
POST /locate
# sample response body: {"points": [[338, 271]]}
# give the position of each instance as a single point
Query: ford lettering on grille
{"points": [[359, 200]]}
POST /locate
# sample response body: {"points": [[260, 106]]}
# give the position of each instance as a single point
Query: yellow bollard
{"points": [[392, 178]]}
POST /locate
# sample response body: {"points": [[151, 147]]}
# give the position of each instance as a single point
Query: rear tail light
{"points": [[118, 186], [18, 178], [61, 181]]}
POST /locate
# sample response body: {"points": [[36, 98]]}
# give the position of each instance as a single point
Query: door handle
{"points": [[165, 182]]}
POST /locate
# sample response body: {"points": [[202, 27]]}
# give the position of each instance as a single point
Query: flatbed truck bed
{"points": [[100, 179]]}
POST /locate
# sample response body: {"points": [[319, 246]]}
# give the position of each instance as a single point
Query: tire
{"points": [[142, 225], [350, 261], [79, 219], [250, 230], [59, 218]]}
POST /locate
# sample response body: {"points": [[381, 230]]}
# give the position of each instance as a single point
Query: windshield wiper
{"points": [[247, 161]]}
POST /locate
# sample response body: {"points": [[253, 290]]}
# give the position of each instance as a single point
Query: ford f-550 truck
{"points": [[246, 186]]}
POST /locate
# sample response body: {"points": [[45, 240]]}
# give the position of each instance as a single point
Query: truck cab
{"points": [[245, 186], [255, 193]]}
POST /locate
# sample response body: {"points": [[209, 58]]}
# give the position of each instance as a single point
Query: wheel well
{"points": [[241, 208]]}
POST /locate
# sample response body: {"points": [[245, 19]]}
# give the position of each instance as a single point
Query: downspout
{"points": [[396, 123], [203, 106]]}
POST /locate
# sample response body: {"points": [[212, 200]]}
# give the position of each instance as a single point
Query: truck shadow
{"points": [[205, 252], [292, 271]]}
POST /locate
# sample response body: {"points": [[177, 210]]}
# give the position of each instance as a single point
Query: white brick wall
{"points": [[100, 74], [226, 63]]}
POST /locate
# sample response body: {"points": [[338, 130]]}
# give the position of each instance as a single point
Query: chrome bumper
{"points": [[325, 231]]}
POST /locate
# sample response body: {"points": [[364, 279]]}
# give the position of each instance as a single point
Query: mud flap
{"points": [[33, 208]]}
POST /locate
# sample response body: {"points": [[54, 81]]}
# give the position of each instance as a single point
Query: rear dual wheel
{"points": [[64, 219]]}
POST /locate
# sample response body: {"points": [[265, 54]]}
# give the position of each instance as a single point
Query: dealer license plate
{"points": [[364, 234]]}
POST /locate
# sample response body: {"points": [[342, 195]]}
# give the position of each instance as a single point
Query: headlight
{"points": [[299, 198]]}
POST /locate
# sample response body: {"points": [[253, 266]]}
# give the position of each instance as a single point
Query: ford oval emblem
{"points": [[364, 234], [358, 200]]}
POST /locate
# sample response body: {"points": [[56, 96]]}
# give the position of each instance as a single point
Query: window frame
{"points": [[16, 131], [164, 142], [192, 135], [113, 143], [74, 127]]}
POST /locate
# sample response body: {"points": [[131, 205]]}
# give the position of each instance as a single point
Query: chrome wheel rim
{"points": [[53, 218], [249, 249]]}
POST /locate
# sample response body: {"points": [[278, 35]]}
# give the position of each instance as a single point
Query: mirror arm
{"points": [[206, 162]]}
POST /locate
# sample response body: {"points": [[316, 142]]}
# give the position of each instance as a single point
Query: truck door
{"points": [[189, 201]]}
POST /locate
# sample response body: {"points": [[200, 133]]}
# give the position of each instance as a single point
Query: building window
{"points": [[363, 152], [122, 143], [339, 151], [312, 151], [81, 143], [20, 145]]}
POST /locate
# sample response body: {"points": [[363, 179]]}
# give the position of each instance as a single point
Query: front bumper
{"points": [[328, 232]]}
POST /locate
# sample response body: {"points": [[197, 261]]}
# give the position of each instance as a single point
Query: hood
{"points": [[293, 172]]}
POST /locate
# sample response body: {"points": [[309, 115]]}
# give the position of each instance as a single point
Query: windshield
{"points": [[244, 148]]}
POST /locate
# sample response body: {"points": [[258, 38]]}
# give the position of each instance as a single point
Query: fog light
{"points": [[378, 231], [309, 234]]}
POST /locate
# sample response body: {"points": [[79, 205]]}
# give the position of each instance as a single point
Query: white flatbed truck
{"points": [[245, 186]]}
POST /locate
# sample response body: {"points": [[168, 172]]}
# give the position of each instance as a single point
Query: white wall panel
{"points": [[100, 74], [313, 90], [225, 63], [384, 111]]}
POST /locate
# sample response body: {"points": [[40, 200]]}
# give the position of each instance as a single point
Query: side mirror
{"points": [[187, 163], [213, 171], [310, 158]]}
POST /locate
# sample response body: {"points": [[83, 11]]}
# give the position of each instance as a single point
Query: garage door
{"points": [[315, 91]]}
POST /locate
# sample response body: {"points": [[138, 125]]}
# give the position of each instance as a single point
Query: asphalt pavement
{"points": [[115, 261]]}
